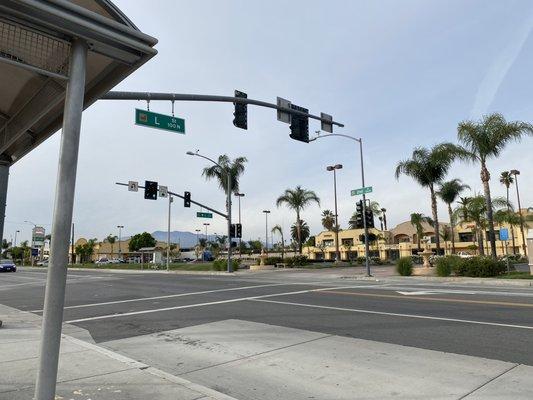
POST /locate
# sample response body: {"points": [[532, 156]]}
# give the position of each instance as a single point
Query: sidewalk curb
{"points": [[460, 280]]}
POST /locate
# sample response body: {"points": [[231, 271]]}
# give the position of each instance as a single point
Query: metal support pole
{"points": [[168, 233], [524, 244], [4, 177], [240, 239], [266, 232], [360, 140], [230, 267], [64, 201], [337, 253]]}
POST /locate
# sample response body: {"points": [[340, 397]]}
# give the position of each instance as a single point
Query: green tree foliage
{"points": [[485, 139], [428, 167], [417, 220], [302, 228], [278, 229], [449, 192], [235, 168], [297, 199], [85, 251], [141, 240], [328, 220]]}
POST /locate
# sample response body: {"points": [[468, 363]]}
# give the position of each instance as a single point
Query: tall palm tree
{"points": [[111, 239], [302, 229], [278, 229], [236, 169], [507, 179], [428, 167], [328, 220], [485, 139], [446, 235], [297, 199], [417, 221], [448, 192]]}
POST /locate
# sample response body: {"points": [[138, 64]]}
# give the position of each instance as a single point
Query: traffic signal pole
{"points": [[365, 226]]}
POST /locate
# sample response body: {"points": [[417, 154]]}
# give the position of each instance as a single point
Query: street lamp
{"points": [[266, 229], [360, 141], [32, 239], [334, 168], [15, 241], [228, 201], [206, 224], [239, 195], [120, 227], [516, 172]]}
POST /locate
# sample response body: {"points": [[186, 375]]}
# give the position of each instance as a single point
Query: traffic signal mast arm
{"points": [[180, 196], [148, 96]]}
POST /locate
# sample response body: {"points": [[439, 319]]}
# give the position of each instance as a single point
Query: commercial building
{"points": [[402, 240]]}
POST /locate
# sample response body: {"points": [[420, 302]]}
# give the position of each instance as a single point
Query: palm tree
{"points": [[111, 239], [236, 169], [448, 192], [507, 179], [384, 216], [277, 228], [328, 220], [297, 199], [417, 221], [446, 235], [428, 167], [300, 231], [485, 139]]}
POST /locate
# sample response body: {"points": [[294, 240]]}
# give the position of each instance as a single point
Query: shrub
{"points": [[360, 260], [222, 264], [296, 261], [376, 260], [479, 267], [446, 265], [404, 266], [273, 260]]}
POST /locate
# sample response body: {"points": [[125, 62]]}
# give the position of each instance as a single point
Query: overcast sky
{"points": [[399, 74]]}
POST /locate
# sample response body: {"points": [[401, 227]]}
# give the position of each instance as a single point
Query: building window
{"points": [[466, 237], [347, 242], [328, 242]]}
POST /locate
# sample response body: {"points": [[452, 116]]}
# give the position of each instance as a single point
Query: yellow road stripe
{"points": [[395, 296]]}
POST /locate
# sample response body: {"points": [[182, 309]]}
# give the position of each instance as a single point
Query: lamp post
{"points": [[197, 242], [206, 224], [239, 195], [516, 172], [334, 168], [32, 239], [228, 201], [15, 241], [120, 227], [170, 200], [266, 229], [360, 141]]}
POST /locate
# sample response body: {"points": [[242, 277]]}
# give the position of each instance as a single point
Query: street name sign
{"points": [[363, 190], [159, 121], [204, 215]]}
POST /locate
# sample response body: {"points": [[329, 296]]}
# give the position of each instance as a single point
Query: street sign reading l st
{"points": [[363, 190], [159, 121]]}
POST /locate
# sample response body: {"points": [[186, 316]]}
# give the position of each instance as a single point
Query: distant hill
{"points": [[185, 239]]}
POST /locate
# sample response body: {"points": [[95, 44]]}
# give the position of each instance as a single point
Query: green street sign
{"points": [[204, 215], [364, 190], [159, 121]]}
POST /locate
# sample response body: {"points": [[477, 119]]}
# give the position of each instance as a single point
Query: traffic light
{"points": [[369, 217], [150, 190], [232, 230], [186, 199], [238, 231], [359, 215], [299, 125], [241, 112]]}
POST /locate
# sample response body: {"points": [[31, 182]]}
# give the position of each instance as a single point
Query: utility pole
{"points": [[239, 195], [71, 246], [266, 229], [334, 168], [515, 172], [168, 232], [120, 227]]}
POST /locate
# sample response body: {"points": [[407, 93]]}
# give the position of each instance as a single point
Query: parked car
{"points": [[102, 261], [43, 263], [7, 265], [464, 254]]}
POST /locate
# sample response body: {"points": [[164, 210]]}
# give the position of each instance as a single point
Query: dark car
{"points": [[7, 265]]}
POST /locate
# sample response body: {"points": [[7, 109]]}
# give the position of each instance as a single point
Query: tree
{"points": [[507, 179], [255, 246], [141, 240], [474, 210], [448, 192], [297, 199], [111, 239], [5, 246], [482, 140], [328, 220], [300, 233], [417, 220], [85, 251], [446, 235], [322, 247], [311, 242], [278, 229], [384, 216], [428, 167]]}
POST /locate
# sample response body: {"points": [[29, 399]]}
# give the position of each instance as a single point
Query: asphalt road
{"points": [[484, 321]]}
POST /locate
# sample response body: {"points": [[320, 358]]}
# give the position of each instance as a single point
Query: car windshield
{"points": [[6, 261]]}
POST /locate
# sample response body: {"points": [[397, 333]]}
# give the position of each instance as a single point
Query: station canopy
{"points": [[35, 40]]}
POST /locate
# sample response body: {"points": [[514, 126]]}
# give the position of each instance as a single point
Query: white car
{"points": [[464, 254], [102, 261]]}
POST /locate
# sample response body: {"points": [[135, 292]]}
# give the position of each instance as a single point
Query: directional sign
{"points": [[504, 234], [364, 190], [159, 121], [204, 215]]}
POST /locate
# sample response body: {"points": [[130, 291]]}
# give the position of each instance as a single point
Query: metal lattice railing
{"points": [[21, 45]]}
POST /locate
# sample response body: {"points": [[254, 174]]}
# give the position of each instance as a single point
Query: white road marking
{"points": [[43, 282], [170, 296], [116, 315], [423, 292], [355, 310]]}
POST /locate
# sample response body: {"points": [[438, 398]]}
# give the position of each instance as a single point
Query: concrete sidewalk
{"points": [[86, 371]]}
